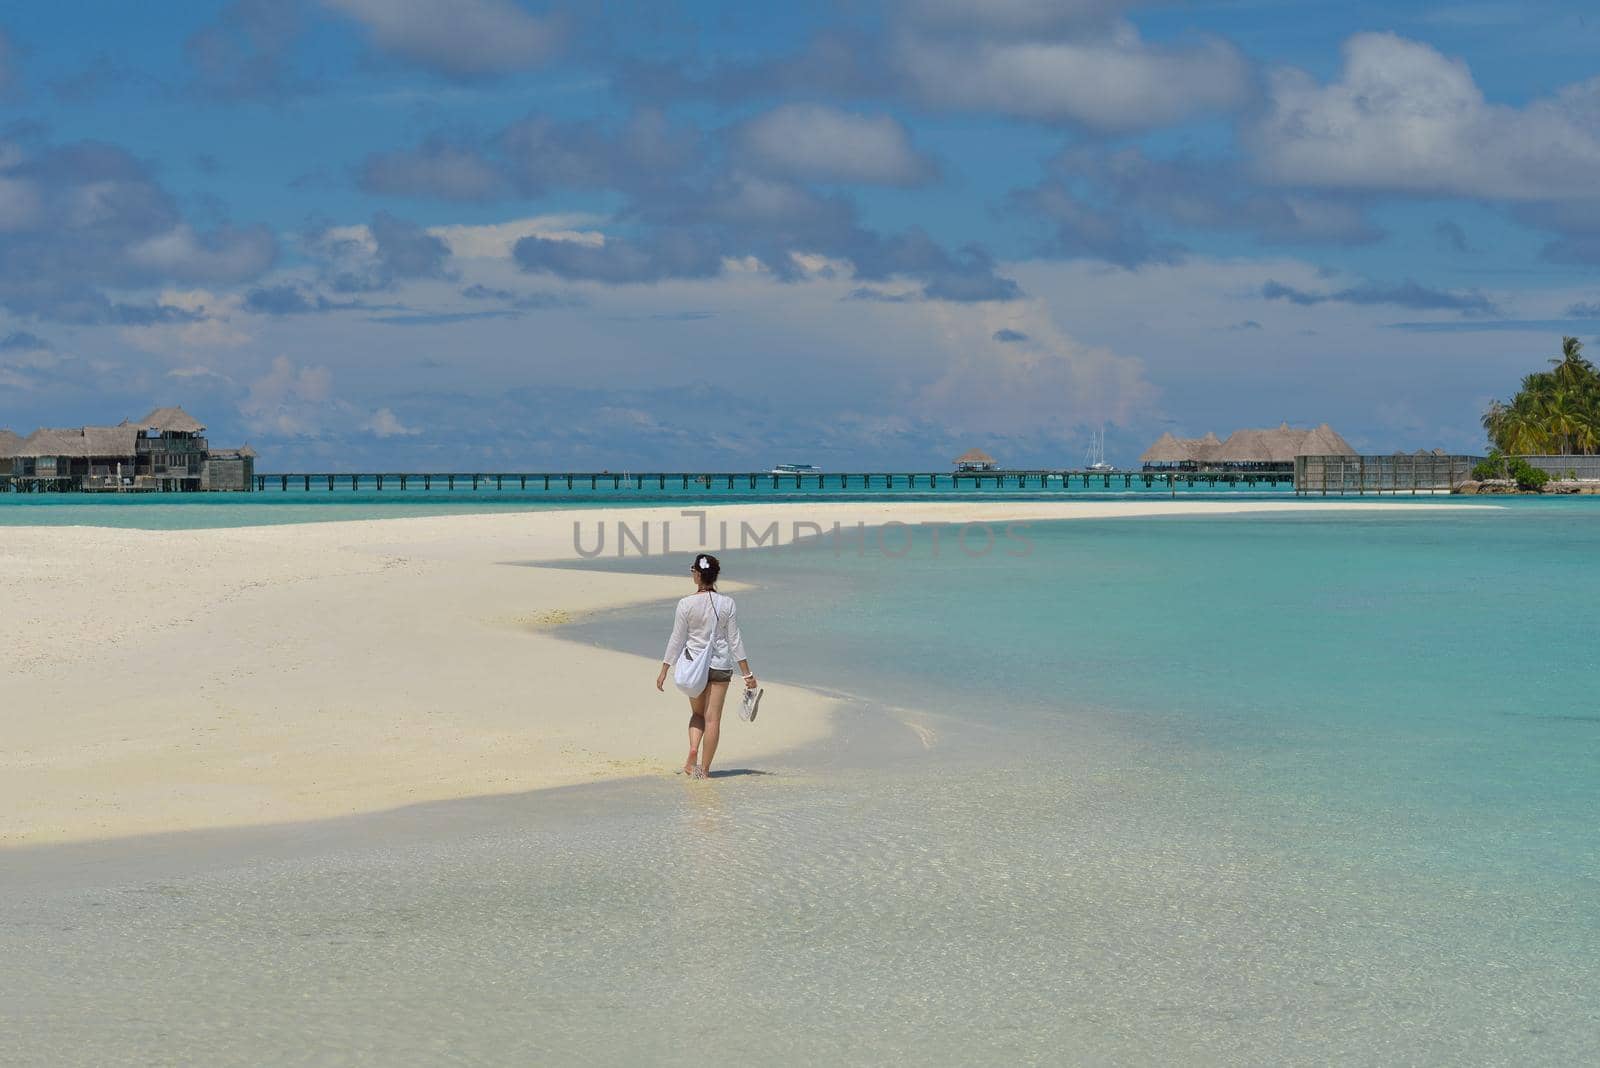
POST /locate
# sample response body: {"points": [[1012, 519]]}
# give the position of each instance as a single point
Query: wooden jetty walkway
{"points": [[748, 480]]}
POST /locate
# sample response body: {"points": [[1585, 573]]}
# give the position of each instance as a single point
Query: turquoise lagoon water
{"points": [[1264, 790]]}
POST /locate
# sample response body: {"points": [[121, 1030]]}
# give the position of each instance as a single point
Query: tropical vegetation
{"points": [[1514, 468], [1556, 413]]}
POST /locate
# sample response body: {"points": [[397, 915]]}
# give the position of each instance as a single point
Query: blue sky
{"points": [[862, 234]]}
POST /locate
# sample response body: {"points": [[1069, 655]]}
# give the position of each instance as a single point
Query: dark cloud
{"points": [[442, 318], [291, 299], [522, 301], [1081, 230], [665, 254], [1450, 237], [1024, 19], [879, 296], [538, 154], [646, 153], [438, 168], [1584, 309], [1247, 324], [406, 250], [398, 250], [1099, 202], [691, 207], [59, 259], [1009, 335], [22, 341], [834, 64], [244, 53], [1407, 294], [1578, 248]]}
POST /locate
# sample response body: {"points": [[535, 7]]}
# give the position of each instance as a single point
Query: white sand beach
{"points": [[173, 680]]}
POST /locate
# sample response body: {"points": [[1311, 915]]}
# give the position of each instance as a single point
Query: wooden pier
{"points": [[547, 481]]}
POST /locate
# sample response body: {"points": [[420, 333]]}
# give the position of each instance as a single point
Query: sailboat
{"points": [[1096, 457]]}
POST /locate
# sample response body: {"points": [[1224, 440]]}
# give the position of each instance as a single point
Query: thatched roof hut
{"points": [[8, 444], [1166, 450], [975, 460], [86, 442], [169, 421], [1170, 450], [1277, 446]]}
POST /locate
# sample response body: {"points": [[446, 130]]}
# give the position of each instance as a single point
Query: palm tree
{"points": [[1556, 412]]}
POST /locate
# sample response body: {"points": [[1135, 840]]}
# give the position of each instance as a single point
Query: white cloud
{"points": [[1403, 117], [385, 424], [462, 38], [290, 400], [212, 328], [1112, 81], [226, 255], [827, 144], [495, 240], [1048, 381]]}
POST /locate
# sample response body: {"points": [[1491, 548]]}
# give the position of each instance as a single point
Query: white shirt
{"points": [[694, 623]]}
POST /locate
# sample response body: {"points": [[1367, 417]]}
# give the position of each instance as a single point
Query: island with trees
{"points": [[1555, 414]]}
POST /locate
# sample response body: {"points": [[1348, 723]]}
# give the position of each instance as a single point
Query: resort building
{"points": [[975, 460], [1244, 450], [166, 450]]}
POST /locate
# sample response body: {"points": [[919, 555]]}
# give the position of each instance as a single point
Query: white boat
{"points": [[1096, 458], [797, 469]]}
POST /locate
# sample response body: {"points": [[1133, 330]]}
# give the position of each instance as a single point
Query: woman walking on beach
{"points": [[706, 623]]}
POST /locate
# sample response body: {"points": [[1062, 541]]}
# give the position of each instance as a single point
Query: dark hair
{"points": [[707, 567]]}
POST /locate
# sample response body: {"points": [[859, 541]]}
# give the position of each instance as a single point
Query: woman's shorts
{"points": [[718, 675]]}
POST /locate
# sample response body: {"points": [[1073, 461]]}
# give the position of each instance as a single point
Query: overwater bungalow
{"points": [[975, 460], [166, 450], [1244, 450]]}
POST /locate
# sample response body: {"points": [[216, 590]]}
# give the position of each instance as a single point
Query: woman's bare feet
{"points": [[691, 765], [700, 773]]}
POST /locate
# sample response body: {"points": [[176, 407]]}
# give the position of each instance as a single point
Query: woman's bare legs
{"points": [[711, 722], [697, 727]]}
